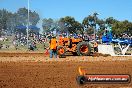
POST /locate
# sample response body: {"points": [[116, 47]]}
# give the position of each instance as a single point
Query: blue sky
{"points": [[119, 9]]}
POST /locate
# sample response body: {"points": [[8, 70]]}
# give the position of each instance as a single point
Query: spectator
{"points": [[95, 46], [86, 38], [15, 43], [34, 45], [1, 45], [31, 46], [44, 42]]}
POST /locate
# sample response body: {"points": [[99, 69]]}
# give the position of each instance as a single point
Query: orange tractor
{"points": [[74, 45]]}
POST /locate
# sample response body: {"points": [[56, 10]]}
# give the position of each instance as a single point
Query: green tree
{"points": [[4, 17], [47, 24], [4, 21], [110, 20], [89, 23], [22, 17], [10, 23], [121, 27], [34, 18], [90, 31], [69, 24], [9, 20], [129, 30], [101, 27]]}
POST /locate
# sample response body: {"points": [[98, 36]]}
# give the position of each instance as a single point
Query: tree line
{"points": [[9, 21]]}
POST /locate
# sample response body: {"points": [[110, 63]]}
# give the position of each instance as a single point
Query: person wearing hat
{"points": [[53, 47]]}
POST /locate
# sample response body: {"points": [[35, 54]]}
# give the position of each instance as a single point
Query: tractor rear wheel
{"points": [[83, 48], [61, 50]]}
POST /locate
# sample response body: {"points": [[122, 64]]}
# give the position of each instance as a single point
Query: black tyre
{"points": [[81, 80], [83, 48], [74, 53], [61, 50]]}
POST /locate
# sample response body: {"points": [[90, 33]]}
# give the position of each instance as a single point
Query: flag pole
{"points": [[28, 25]]}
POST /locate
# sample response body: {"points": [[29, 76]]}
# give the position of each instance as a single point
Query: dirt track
{"points": [[37, 71]]}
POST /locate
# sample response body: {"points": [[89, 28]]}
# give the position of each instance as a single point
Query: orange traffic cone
{"points": [[46, 52]]}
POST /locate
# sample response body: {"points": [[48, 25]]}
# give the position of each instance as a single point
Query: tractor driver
{"points": [[53, 47], [61, 41]]}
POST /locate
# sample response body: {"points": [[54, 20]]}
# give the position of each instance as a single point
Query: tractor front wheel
{"points": [[61, 50]]}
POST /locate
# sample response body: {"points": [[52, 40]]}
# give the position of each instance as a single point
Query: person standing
{"points": [[53, 47], [44, 43], [95, 46]]}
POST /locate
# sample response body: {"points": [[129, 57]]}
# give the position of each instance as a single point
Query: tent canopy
{"points": [[32, 27], [21, 27]]}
